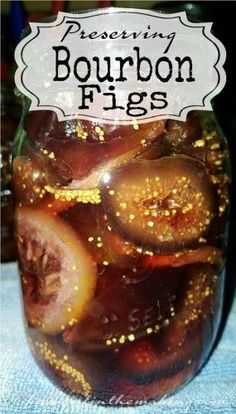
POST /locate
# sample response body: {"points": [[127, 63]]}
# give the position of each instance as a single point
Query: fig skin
{"points": [[164, 204]]}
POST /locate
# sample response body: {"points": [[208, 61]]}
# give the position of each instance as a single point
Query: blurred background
{"points": [[16, 14]]}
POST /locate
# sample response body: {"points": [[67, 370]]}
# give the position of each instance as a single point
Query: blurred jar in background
{"points": [[9, 121]]}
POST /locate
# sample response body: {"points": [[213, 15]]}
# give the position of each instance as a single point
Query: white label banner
{"points": [[117, 65]]}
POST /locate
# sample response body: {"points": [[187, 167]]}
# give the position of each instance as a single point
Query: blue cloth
{"points": [[25, 389]]}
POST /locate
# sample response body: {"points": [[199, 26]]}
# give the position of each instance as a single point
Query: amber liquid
{"points": [[121, 239]]}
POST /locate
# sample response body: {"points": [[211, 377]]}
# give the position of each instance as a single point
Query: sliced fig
{"points": [[155, 390], [58, 274], [87, 161], [143, 362], [184, 338], [152, 367], [43, 125], [166, 204], [125, 304]]}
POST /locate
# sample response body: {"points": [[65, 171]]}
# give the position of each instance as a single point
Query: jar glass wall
{"points": [[121, 234]]}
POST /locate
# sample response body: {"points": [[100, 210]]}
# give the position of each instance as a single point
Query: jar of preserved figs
{"points": [[121, 235]]}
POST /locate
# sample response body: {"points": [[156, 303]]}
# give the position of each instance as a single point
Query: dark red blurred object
{"points": [[104, 3], [58, 6]]}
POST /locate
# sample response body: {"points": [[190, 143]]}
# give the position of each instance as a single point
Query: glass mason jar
{"points": [[121, 235]]}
